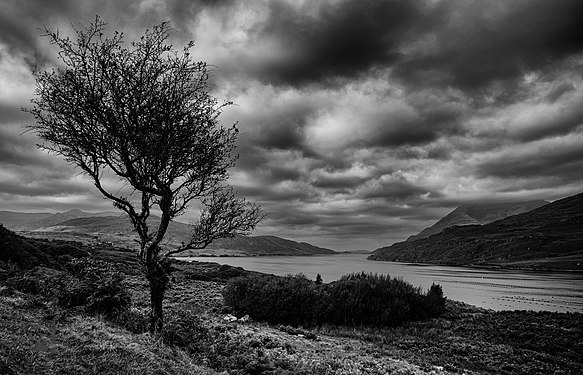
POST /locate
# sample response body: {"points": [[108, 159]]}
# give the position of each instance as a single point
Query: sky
{"points": [[361, 121]]}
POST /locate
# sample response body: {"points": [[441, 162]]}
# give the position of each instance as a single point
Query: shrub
{"points": [[284, 300], [435, 300], [355, 299], [371, 300], [184, 329], [36, 281], [94, 285]]}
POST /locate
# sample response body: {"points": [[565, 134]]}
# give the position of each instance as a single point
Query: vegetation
{"points": [[144, 114], [355, 300], [39, 335]]}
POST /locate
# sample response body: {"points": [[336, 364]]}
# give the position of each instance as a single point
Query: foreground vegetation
{"points": [[42, 332]]}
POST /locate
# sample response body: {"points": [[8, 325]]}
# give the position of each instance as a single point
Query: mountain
{"points": [[549, 237], [476, 214], [34, 221], [14, 219], [116, 229], [267, 245]]}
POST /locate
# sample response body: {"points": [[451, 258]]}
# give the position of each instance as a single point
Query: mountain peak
{"points": [[478, 214]]}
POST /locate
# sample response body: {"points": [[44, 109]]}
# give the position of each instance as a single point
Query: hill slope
{"points": [[34, 221], [549, 237], [476, 214], [117, 230], [268, 245], [12, 219]]}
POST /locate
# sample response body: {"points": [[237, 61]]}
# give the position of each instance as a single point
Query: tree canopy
{"points": [[144, 113]]}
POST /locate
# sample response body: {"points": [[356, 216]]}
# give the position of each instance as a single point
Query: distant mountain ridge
{"points": [[478, 214], [114, 228], [549, 237], [33, 221]]}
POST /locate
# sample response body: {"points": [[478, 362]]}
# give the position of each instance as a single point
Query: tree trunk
{"points": [[158, 280]]}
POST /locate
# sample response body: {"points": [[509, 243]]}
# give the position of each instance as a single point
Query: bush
{"points": [[36, 281], [280, 300], [435, 300], [96, 286], [372, 300], [184, 329], [354, 300]]}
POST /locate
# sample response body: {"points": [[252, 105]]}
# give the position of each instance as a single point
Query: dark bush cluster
{"points": [[95, 285], [283, 300], [354, 300]]}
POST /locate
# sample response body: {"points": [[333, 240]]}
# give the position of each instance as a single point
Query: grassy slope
{"points": [[38, 338], [32, 342]]}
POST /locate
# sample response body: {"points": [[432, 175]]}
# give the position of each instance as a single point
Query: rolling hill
{"points": [[477, 214], [549, 237], [34, 221], [116, 229]]}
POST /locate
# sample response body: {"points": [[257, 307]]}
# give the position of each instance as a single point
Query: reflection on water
{"points": [[493, 289]]}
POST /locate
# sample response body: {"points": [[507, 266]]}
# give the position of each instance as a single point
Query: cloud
{"points": [[320, 42], [559, 159], [536, 117], [478, 43]]}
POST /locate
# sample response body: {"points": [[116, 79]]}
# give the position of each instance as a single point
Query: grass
{"points": [[35, 341], [485, 342]]}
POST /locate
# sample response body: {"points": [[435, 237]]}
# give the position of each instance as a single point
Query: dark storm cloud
{"points": [[558, 91], [183, 12], [562, 123], [282, 136], [14, 35], [339, 182], [19, 151], [284, 174], [395, 189], [334, 39], [48, 187], [562, 163], [20, 26], [267, 193], [483, 42]]}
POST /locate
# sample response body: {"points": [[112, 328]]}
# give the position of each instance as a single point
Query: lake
{"points": [[492, 289]]}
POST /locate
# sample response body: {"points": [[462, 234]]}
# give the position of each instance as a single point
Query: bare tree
{"points": [[143, 113]]}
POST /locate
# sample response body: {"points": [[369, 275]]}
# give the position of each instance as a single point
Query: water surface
{"points": [[493, 289]]}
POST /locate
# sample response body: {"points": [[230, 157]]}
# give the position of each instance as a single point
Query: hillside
{"points": [[549, 237], [267, 245], [117, 230], [35, 221], [477, 214], [14, 220]]}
